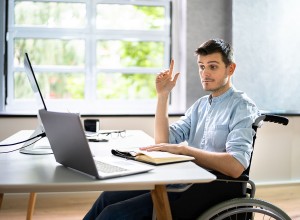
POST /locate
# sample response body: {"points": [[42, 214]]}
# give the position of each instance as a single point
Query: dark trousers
{"points": [[185, 205]]}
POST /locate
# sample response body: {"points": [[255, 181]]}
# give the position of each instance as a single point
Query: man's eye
{"points": [[202, 67], [213, 67]]}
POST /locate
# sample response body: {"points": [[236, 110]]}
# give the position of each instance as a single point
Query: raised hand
{"points": [[165, 81]]}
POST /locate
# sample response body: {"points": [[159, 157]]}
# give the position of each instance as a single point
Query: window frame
{"points": [[90, 35], [3, 6]]}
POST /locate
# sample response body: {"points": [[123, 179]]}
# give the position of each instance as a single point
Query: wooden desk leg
{"points": [[31, 205], [161, 203], [1, 199]]}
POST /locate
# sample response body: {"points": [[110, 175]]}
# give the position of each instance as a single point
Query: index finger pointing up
{"points": [[171, 67]]}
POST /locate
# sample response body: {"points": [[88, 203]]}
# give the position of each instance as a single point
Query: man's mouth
{"points": [[207, 80]]}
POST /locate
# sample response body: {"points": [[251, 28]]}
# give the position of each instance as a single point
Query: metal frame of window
{"points": [[91, 34]]}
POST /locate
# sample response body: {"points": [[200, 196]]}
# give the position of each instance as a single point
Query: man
{"points": [[218, 132]]}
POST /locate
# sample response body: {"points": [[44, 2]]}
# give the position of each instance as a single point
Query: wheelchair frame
{"points": [[249, 207]]}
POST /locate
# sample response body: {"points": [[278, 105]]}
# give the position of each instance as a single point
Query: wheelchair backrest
{"points": [[257, 124]]}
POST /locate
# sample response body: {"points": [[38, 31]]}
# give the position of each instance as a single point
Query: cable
{"points": [[5, 152], [20, 142]]}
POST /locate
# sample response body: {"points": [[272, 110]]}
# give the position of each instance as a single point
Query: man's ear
{"points": [[232, 68]]}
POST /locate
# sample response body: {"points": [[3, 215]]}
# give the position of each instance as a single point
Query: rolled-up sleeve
{"points": [[240, 137]]}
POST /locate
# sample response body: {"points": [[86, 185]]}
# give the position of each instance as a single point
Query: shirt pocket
{"points": [[217, 137]]}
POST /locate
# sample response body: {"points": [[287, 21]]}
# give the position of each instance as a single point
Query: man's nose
{"points": [[205, 72]]}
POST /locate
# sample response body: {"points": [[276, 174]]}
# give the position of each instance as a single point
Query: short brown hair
{"points": [[217, 46]]}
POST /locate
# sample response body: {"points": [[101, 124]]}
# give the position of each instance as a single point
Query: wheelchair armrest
{"points": [[250, 187], [269, 118], [223, 177], [276, 119]]}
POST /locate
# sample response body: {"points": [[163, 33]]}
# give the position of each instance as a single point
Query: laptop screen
{"points": [[33, 82]]}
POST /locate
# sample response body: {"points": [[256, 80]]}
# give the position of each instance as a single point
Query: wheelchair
{"points": [[249, 207]]}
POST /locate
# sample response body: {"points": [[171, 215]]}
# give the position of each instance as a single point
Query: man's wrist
{"points": [[163, 96], [185, 150]]}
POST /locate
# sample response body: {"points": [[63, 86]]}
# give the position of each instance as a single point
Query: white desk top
{"points": [[41, 173]]}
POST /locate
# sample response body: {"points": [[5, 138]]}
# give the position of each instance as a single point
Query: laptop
{"points": [[71, 149]]}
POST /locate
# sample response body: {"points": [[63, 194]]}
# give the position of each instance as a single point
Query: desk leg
{"points": [[1, 199], [161, 203], [31, 205]]}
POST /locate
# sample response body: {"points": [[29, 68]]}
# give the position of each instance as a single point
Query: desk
{"points": [[20, 173]]}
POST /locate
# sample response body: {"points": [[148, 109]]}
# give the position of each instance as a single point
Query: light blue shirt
{"points": [[219, 124]]}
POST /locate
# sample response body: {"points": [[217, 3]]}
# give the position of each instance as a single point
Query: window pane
{"points": [[50, 14], [115, 53], [125, 86], [52, 85], [50, 52], [130, 17]]}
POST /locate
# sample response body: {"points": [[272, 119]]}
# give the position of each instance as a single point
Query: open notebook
{"points": [[151, 157]]}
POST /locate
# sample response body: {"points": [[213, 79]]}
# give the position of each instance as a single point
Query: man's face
{"points": [[214, 75]]}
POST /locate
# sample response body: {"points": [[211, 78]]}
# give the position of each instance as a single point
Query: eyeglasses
{"points": [[115, 134]]}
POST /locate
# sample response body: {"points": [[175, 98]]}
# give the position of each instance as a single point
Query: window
{"points": [[89, 56]]}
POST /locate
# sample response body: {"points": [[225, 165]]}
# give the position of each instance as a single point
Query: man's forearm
{"points": [[161, 133], [221, 162]]}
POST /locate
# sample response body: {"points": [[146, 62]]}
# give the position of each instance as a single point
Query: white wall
{"points": [[277, 153], [277, 149]]}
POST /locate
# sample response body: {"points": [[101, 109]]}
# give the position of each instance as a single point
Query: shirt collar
{"points": [[220, 98]]}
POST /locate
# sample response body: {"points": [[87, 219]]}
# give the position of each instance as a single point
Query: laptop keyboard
{"points": [[108, 168]]}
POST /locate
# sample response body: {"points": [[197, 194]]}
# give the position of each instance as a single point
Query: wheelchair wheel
{"points": [[244, 208]]}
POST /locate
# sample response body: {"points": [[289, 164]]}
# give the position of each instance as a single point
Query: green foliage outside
{"points": [[130, 17], [50, 52], [50, 14], [125, 86], [52, 85]]}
